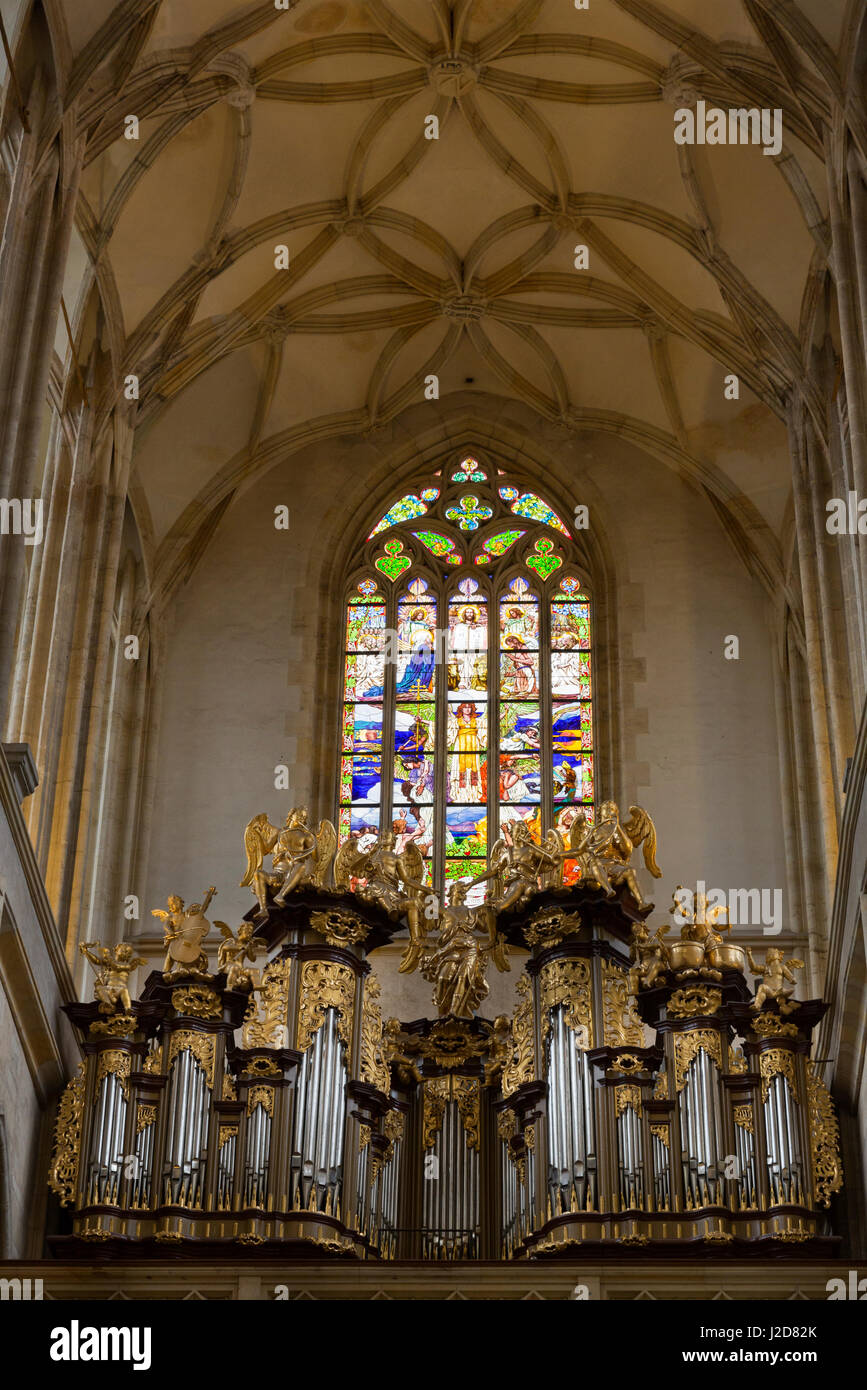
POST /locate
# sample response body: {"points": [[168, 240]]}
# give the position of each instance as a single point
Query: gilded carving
{"points": [[567, 982], [627, 1096], [550, 925], [227, 1132], [325, 985], [113, 968], [338, 927], [824, 1139], [273, 995], [202, 1046], [63, 1175], [743, 1116], [661, 1132], [373, 1067], [772, 1026], [230, 1087], [437, 1093], [197, 1001], [687, 1047], [660, 1090], [145, 1116], [620, 1021], [694, 1001], [153, 1064], [260, 1095], [778, 1061], [521, 1067], [507, 1124], [114, 1063]]}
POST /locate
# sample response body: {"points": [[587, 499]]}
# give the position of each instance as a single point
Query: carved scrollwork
{"points": [[202, 1046], [325, 985], [260, 1095], [114, 1063], [548, 927], [778, 1061], [824, 1139], [521, 1068], [437, 1093], [373, 1067], [627, 1096], [694, 1001], [621, 1023], [339, 928], [567, 982], [687, 1047], [63, 1175], [272, 996], [197, 1001]]}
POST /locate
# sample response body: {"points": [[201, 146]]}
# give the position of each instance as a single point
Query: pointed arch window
{"points": [[468, 678]]}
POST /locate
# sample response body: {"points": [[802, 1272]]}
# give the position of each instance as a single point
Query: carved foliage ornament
{"points": [[63, 1175], [522, 1066], [202, 1046], [621, 1022], [338, 927], [687, 1047], [197, 1001], [627, 1096], [694, 1001], [267, 1031], [114, 1064], [325, 985], [824, 1140], [548, 927], [778, 1061], [437, 1094], [567, 982], [373, 1067], [260, 1095]]}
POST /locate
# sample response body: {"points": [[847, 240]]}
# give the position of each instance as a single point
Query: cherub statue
{"points": [[394, 1042], [234, 951], [184, 933], [519, 863], [502, 1047], [649, 954], [393, 880], [113, 969], [297, 856], [593, 872], [775, 973], [456, 964], [614, 844]]}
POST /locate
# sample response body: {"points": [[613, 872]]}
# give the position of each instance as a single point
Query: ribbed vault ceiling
{"points": [[411, 256]]}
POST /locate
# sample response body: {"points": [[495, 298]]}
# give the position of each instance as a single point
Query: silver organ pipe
{"points": [[106, 1154], [317, 1158], [571, 1120]]}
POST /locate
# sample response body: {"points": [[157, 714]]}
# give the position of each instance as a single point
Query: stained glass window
{"points": [[468, 697]]}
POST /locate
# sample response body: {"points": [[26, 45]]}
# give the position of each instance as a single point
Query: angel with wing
{"points": [[393, 879], [297, 855], [520, 865], [234, 951], [614, 844], [456, 964]]}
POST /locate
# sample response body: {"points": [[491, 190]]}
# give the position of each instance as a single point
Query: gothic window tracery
{"points": [[468, 695]]}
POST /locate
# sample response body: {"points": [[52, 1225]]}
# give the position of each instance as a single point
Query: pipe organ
{"points": [[640, 1096]]}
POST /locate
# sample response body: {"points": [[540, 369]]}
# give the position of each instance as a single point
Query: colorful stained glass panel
{"points": [[364, 676], [466, 832], [573, 778], [570, 674], [519, 674], [570, 626], [361, 779], [519, 626], [365, 628], [572, 726], [519, 727], [362, 728], [532, 507], [520, 777]]}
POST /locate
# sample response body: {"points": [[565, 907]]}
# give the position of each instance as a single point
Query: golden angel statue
{"points": [[614, 844], [592, 870], [297, 856], [456, 963], [113, 969], [393, 880], [778, 982], [650, 956], [519, 865], [234, 951], [184, 932]]}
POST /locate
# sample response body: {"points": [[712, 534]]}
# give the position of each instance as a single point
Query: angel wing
{"points": [[412, 863], [225, 930], [500, 954], [498, 852], [326, 844], [578, 829], [552, 876], [641, 830], [349, 862], [260, 837]]}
